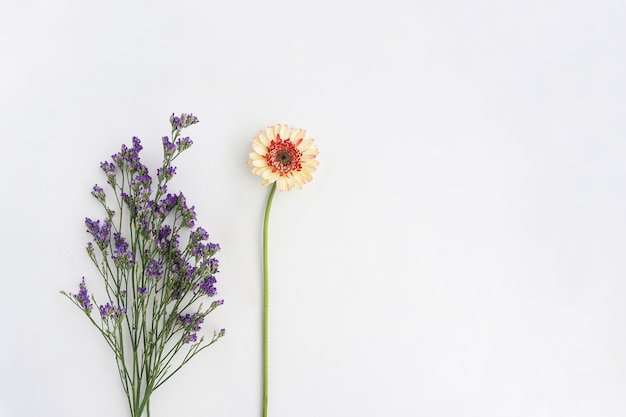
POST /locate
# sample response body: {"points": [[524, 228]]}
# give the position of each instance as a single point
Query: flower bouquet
{"points": [[157, 267]]}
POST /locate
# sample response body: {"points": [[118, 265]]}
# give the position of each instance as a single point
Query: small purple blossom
{"points": [[166, 205], [142, 291], [126, 198], [129, 157], [191, 324], [123, 260], [122, 257], [109, 170], [141, 185], [213, 248], [190, 337], [167, 173], [83, 297], [213, 265], [183, 143], [137, 144], [110, 310], [101, 235], [185, 120], [155, 268], [165, 241], [168, 148], [120, 243], [206, 285], [98, 193], [188, 213], [191, 321]]}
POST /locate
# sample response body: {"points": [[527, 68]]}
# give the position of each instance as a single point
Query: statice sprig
{"points": [[154, 281]]}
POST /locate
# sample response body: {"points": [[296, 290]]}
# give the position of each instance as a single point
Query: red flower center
{"points": [[283, 156]]}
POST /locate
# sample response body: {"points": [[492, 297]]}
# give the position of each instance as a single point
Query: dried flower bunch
{"points": [[154, 282]]}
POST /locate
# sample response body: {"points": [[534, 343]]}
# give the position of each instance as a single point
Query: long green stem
{"points": [[266, 297]]}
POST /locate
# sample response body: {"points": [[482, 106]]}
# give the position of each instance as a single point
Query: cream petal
{"points": [[270, 176], [270, 134], [307, 145], [259, 163], [282, 184], [261, 139], [283, 131], [259, 148], [297, 135]]}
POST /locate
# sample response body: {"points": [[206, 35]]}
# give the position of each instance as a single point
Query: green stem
{"points": [[266, 297]]}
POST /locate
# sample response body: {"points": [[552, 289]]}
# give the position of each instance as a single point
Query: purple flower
{"points": [[190, 337], [188, 213], [163, 239], [129, 157], [198, 235], [141, 185], [183, 143], [109, 170], [213, 248], [120, 243], [101, 235], [168, 149], [166, 173], [191, 321], [122, 257], [83, 297], [185, 120], [109, 310], [191, 324], [154, 268], [207, 287], [166, 205], [175, 121], [142, 291], [213, 265], [137, 144], [98, 193]]}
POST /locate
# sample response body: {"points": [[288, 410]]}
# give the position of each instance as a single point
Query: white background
{"points": [[460, 251]]}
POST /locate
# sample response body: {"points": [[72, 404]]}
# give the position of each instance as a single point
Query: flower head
{"points": [[83, 297], [110, 310], [185, 120], [284, 156]]}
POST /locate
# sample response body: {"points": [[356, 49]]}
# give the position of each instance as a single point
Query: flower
{"points": [[285, 159], [148, 273], [83, 297], [284, 156]]}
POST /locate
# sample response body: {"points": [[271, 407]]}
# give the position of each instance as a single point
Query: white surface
{"points": [[460, 251]]}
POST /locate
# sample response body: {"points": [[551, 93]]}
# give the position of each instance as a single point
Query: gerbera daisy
{"points": [[284, 156]]}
